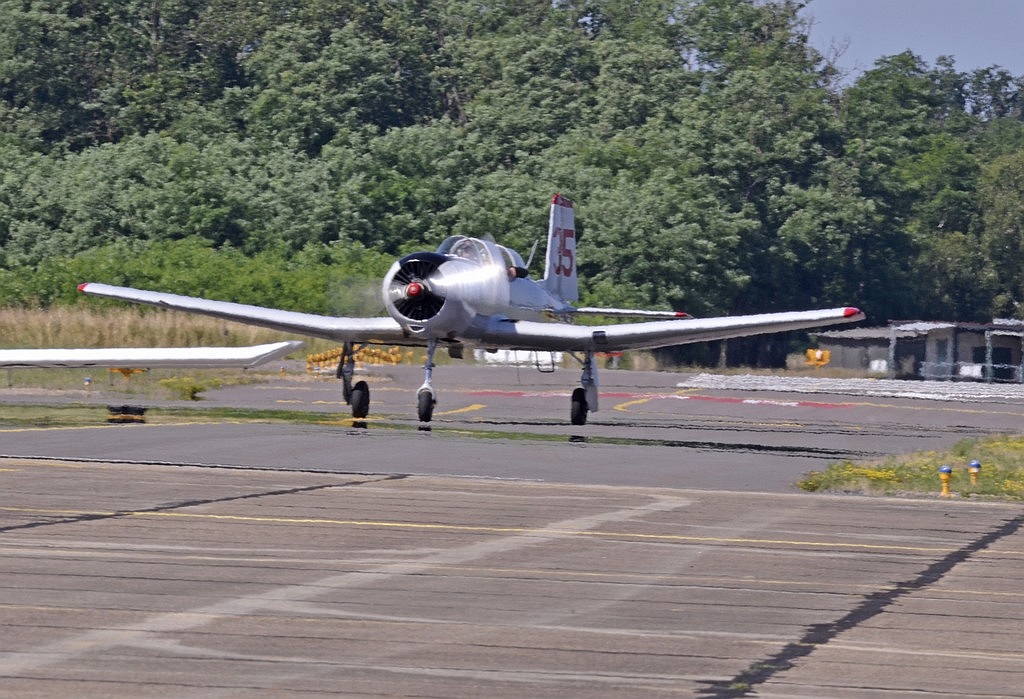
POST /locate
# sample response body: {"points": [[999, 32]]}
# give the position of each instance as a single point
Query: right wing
{"points": [[383, 331], [628, 313], [528, 335], [149, 357]]}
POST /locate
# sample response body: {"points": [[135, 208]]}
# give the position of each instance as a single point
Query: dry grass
{"points": [[122, 327]]}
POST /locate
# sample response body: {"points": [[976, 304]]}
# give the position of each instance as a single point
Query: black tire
{"points": [[360, 400], [578, 410], [425, 405]]}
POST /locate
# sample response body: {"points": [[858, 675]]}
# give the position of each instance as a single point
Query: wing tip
{"points": [[81, 287], [850, 312]]}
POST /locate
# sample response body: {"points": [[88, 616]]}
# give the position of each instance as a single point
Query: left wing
{"points": [[383, 331], [529, 335], [149, 357]]}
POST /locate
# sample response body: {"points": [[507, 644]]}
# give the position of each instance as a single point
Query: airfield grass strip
{"points": [[1002, 471], [80, 415]]}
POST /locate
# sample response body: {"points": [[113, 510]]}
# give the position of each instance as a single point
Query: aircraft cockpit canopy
{"points": [[470, 249], [511, 257]]}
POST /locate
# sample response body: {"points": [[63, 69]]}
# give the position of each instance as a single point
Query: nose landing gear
{"points": [[425, 399], [425, 403]]}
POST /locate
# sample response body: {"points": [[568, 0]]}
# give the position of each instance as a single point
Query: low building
{"points": [[930, 350]]}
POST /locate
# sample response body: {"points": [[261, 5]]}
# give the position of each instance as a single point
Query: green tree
{"points": [[48, 71], [1002, 202], [397, 191]]}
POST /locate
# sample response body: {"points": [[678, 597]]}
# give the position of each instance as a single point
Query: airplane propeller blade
{"points": [[412, 292]]}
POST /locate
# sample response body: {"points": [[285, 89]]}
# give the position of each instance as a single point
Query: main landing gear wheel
{"points": [[360, 400], [578, 411], [425, 405]]}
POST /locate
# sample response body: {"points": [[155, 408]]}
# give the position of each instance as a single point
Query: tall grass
{"points": [[122, 327]]}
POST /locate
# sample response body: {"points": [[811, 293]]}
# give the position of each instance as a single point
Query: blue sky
{"points": [[977, 33]]}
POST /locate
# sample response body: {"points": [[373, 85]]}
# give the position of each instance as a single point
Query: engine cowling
{"points": [[418, 297]]}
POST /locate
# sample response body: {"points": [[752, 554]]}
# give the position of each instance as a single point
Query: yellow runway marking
{"points": [[542, 531], [57, 427], [310, 402], [624, 407], [65, 513], [135, 427], [467, 409], [539, 531]]}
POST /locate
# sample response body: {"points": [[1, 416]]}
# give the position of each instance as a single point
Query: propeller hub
{"points": [[408, 290]]}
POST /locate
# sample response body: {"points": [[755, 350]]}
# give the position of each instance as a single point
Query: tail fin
{"points": [[560, 266]]}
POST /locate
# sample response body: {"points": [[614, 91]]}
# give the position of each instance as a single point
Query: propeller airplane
{"points": [[474, 292]]}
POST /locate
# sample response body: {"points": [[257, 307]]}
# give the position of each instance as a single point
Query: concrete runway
{"points": [[666, 555]]}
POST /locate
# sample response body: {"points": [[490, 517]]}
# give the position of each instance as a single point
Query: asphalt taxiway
{"points": [[660, 550], [508, 423]]}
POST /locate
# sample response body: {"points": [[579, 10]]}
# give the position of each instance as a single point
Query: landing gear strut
{"points": [[358, 395], [425, 399], [584, 398]]}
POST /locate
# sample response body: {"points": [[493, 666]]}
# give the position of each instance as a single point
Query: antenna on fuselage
{"points": [[533, 251]]}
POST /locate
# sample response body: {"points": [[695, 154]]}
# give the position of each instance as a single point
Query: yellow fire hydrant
{"points": [[944, 472], [975, 468]]}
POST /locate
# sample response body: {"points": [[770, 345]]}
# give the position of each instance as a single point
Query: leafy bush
{"points": [[318, 279], [188, 387]]}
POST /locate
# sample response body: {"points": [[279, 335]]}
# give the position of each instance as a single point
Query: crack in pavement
{"points": [[871, 606]]}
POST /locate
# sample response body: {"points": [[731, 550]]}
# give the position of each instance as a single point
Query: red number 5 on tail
{"points": [[566, 252], [560, 266]]}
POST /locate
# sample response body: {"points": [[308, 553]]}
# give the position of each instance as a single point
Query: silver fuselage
{"points": [[475, 278]]}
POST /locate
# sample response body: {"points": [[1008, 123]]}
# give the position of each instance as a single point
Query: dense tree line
{"points": [[281, 151]]}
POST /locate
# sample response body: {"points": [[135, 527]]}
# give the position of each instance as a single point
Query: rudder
{"points": [[560, 263]]}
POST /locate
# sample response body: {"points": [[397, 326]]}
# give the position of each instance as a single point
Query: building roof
{"points": [[918, 328], [885, 332]]}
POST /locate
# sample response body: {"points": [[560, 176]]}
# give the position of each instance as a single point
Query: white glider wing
{"points": [[150, 357], [528, 335], [374, 330]]}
